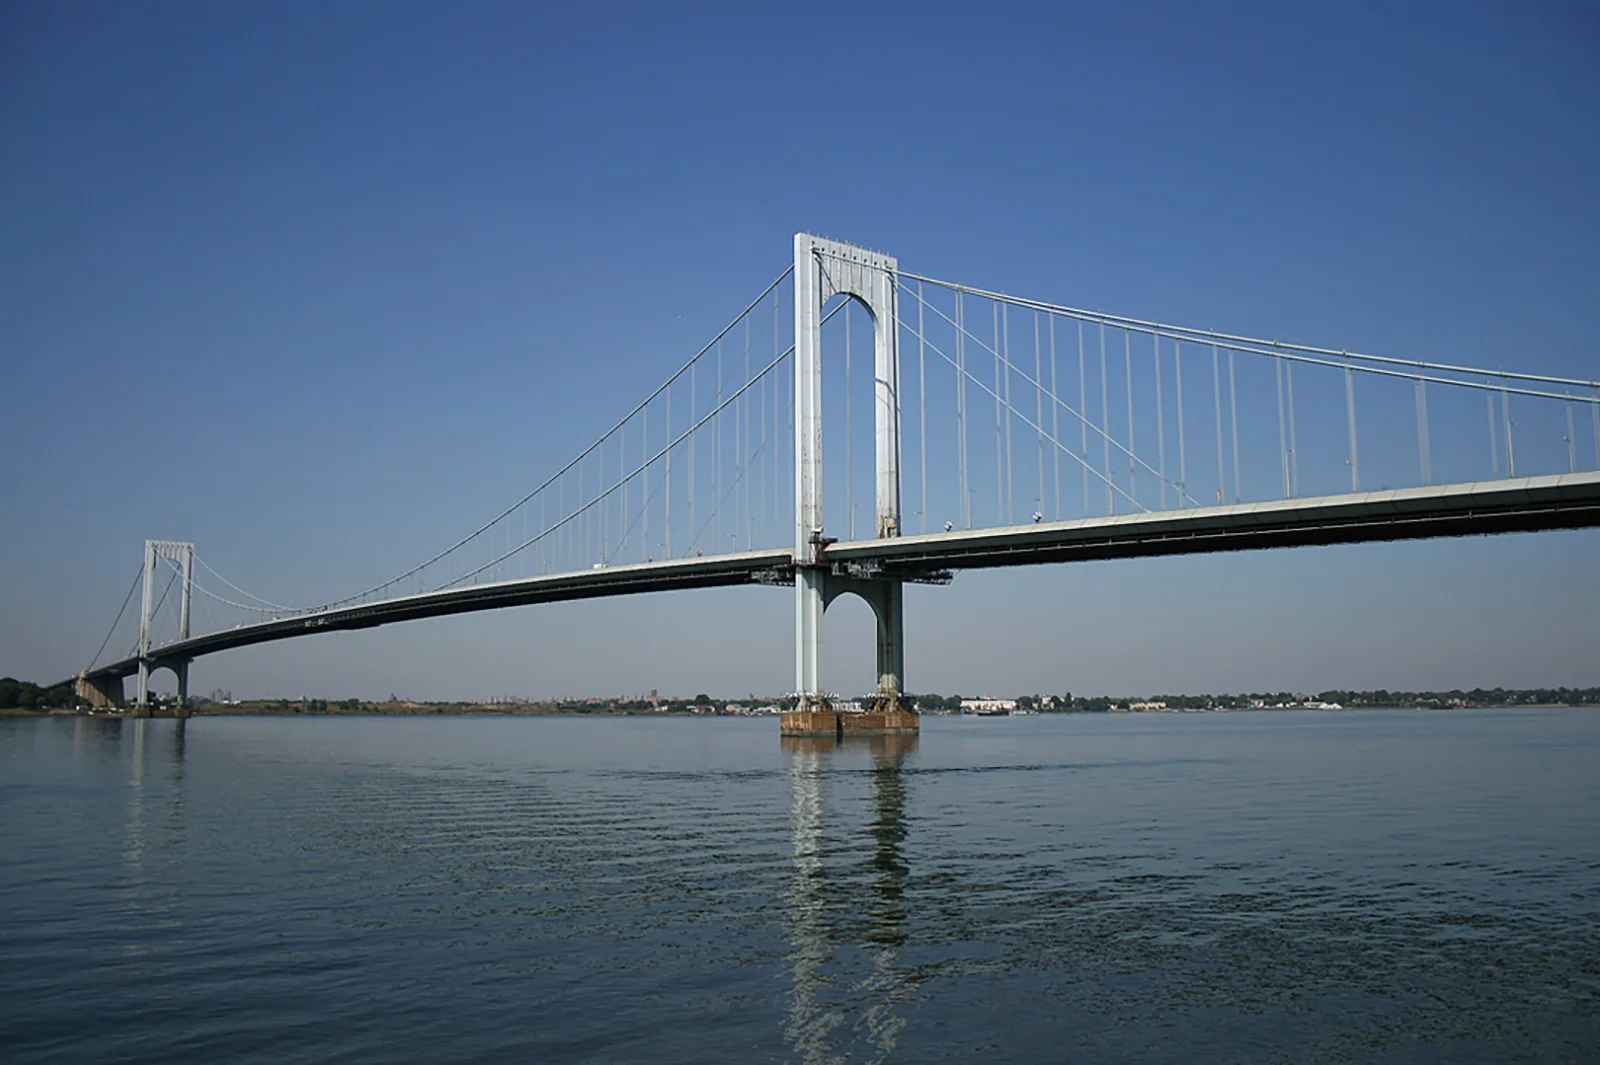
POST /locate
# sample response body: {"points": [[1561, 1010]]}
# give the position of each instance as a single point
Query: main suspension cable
{"points": [[574, 462], [1231, 340], [137, 577]]}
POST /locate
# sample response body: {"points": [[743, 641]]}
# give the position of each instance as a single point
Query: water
{"points": [[1269, 887]]}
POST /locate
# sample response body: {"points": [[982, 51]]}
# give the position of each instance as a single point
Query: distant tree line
{"points": [[1067, 703], [22, 695], [1474, 697]]}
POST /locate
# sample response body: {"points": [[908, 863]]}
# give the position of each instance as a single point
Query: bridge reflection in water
{"points": [[828, 913]]}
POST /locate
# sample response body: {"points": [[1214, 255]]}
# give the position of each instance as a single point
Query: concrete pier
{"points": [[891, 745], [831, 723], [102, 693], [881, 721]]}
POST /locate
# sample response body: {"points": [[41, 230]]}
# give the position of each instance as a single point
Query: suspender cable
{"points": [[922, 405], [1423, 458], [666, 539], [1161, 424], [985, 388], [1594, 417], [1494, 443], [1183, 451], [741, 444], [1350, 415], [1283, 432], [1055, 414], [1083, 423], [1005, 341], [1505, 413], [1005, 333], [999, 430], [1117, 444], [775, 530], [1233, 420], [717, 458], [760, 511], [1216, 398], [693, 447], [1572, 446], [1038, 415], [964, 504], [1105, 422], [1294, 448], [1127, 373]]}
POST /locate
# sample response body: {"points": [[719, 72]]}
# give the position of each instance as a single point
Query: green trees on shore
{"points": [[22, 695], [1438, 700]]}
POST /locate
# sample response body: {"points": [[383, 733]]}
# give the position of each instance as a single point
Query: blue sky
{"points": [[319, 287]]}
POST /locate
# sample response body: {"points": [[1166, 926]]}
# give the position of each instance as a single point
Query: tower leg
{"points": [[142, 693], [888, 605], [809, 604], [183, 689]]}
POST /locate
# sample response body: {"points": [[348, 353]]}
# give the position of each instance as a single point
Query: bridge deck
{"points": [[1528, 504], [668, 575]]}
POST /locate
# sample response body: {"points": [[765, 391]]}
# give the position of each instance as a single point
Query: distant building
{"points": [[1147, 706], [987, 705]]}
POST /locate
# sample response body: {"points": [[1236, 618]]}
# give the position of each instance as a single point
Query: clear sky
{"points": [[321, 286]]}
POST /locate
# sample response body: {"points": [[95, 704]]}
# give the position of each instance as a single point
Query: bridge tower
{"points": [[824, 269], [155, 552]]}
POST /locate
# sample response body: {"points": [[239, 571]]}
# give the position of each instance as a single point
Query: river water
{"points": [[1248, 887]]}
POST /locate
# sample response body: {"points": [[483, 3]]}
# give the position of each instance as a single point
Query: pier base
{"points": [[809, 723], [829, 723], [881, 721], [105, 693]]}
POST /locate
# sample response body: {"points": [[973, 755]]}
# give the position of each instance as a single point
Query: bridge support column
{"points": [[141, 693], [155, 552], [809, 604], [816, 588], [886, 598], [182, 670], [102, 693], [824, 269]]}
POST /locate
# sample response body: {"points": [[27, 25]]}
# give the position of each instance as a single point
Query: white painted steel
{"points": [[824, 269]]}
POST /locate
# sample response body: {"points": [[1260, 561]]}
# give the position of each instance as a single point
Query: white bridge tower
{"points": [[824, 269]]}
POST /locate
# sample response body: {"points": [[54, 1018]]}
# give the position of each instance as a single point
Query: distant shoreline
{"points": [[490, 711]]}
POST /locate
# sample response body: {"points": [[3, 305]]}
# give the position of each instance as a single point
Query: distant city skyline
{"points": [[266, 294]]}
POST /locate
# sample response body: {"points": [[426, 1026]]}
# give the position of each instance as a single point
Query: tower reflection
{"points": [[830, 912], [155, 771]]}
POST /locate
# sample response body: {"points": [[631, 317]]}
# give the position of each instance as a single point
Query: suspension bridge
{"points": [[980, 429]]}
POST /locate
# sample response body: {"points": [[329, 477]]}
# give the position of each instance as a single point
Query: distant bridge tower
{"points": [[155, 552], [824, 269]]}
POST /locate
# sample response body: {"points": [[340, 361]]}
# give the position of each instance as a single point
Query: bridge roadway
{"points": [[1529, 504]]}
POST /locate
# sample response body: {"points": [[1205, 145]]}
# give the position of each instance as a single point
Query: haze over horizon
{"points": [[321, 288]]}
